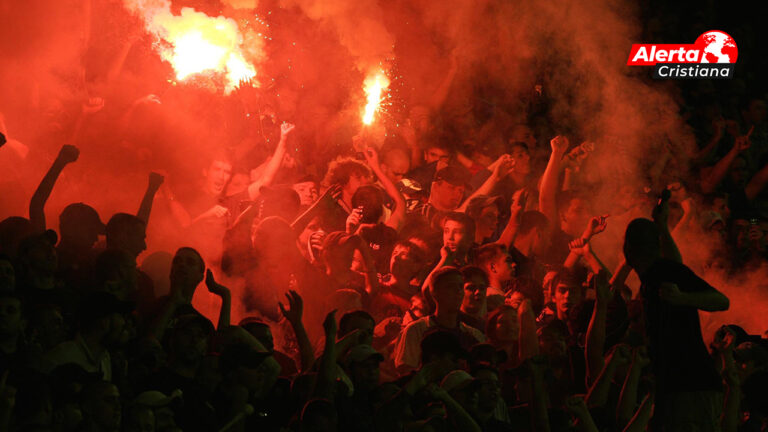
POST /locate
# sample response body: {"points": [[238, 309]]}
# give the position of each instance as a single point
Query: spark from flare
{"points": [[195, 43], [373, 86]]}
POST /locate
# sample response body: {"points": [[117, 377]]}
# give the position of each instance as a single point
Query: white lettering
{"points": [[641, 55]]}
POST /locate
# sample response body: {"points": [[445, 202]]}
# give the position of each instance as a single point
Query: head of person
{"points": [[128, 233], [522, 133], [497, 263], [279, 200], [369, 198], [13, 230], [151, 411], [566, 292], [362, 365], [553, 338], [475, 290], [489, 387], [448, 187], [522, 157], [502, 327], [447, 289], [103, 316], [357, 320], [46, 326], [641, 243], [395, 164], [463, 388], [319, 415], [80, 225], [349, 173], [458, 232], [574, 213], [11, 317], [189, 339], [535, 228], [187, 269], [443, 349], [243, 364], [115, 273], [260, 330], [37, 255], [307, 189], [484, 210], [101, 406], [407, 260], [218, 174], [7, 274], [437, 151]]}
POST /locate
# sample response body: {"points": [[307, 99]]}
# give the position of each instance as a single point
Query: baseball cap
{"points": [[361, 353], [455, 175], [457, 380], [156, 399], [81, 214]]}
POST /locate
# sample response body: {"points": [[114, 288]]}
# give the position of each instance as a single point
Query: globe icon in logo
{"points": [[717, 47]]}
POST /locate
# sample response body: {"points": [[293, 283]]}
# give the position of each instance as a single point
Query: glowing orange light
{"points": [[195, 43], [374, 86]]}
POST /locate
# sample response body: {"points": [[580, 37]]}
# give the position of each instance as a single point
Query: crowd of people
{"points": [[419, 283]]}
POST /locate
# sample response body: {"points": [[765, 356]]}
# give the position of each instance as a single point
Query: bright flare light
{"points": [[194, 43], [374, 86]]}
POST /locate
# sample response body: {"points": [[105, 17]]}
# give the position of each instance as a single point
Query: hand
{"points": [[149, 99], [579, 246], [332, 194], [641, 357], [286, 129], [155, 180], [214, 287], [371, 156], [68, 154], [742, 143], [670, 292], [503, 166], [295, 308], [725, 339], [595, 226], [94, 105], [316, 241], [446, 255], [217, 211], [559, 144], [620, 354], [576, 405], [353, 220], [519, 200], [330, 326]]}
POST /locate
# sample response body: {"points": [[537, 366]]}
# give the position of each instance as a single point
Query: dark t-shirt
{"points": [[679, 357]]}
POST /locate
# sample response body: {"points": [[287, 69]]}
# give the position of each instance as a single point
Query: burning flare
{"points": [[374, 86], [194, 43]]}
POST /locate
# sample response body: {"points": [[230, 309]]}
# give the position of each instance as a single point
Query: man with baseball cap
{"points": [[446, 192]]}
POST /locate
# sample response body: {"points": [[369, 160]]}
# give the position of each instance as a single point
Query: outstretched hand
{"points": [[155, 180], [286, 129], [595, 226], [371, 156], [559, 144], [213, 286], [295, 307], [330, 326], [68, 154]]}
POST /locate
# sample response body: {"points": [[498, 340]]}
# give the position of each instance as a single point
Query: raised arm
{"points": [[226, 299], [519, 199], [326, 200], [550, 179], [397, 217], [67, 155], [501, 169], [294, 316], [595, 340], [439, 96], [628, 397], [710, 300], [155, 181], [326, 374], [528, 341], [757, 183], [669, 249], [598, 393], [717, 173], [274, 163]]}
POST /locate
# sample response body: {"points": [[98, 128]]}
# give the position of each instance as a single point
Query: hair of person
{"points": [[564, 199], [488, 253], [471, 271], [346, 320], [341, 169], [532, 219], [475, 207], [641, 238], [316, 409], [120, 223], [571, 278], [416, 253], [442, 276], [467, 222], [191, 250], [371, 199]]}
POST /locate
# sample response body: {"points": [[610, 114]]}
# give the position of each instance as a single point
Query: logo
{"points": [[713, 55]]}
